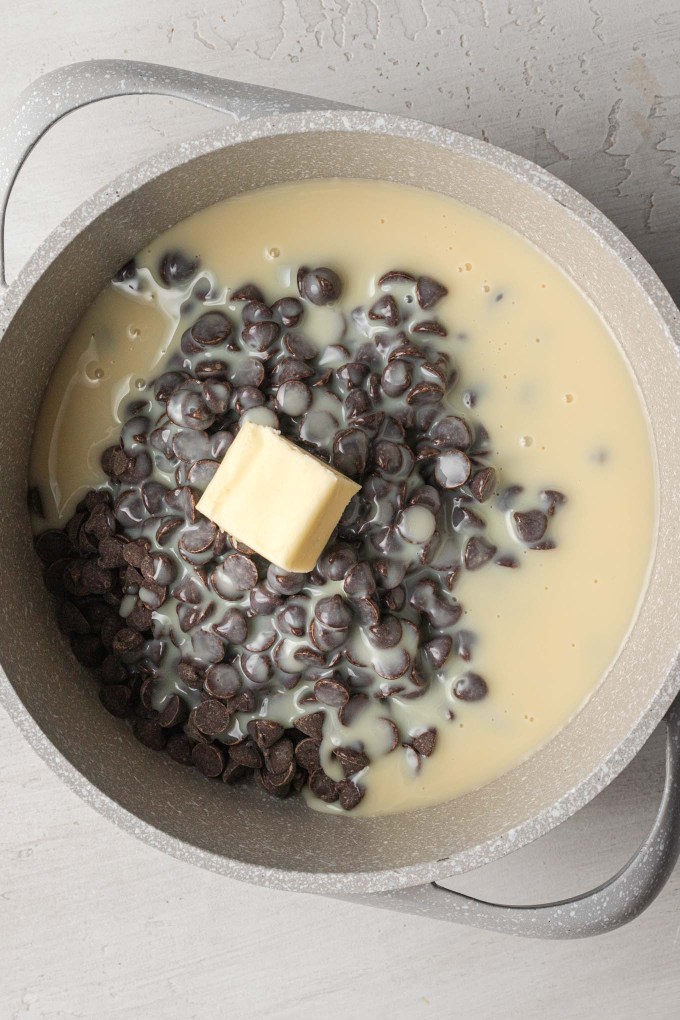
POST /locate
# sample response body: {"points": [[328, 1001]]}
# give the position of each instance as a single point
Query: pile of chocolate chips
{"points": [[191, 635]]}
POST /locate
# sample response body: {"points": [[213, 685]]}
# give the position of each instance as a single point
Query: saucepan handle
{"points": [[609, 906], [60, 92]]}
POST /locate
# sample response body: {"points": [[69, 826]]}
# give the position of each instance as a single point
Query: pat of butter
{"points": [[276, 498]]}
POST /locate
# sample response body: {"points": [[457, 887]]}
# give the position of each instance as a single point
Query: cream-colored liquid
{"points": [[553, 390]]}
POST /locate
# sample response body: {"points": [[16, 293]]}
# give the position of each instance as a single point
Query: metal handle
{"points": [[60, 92], [610, 905]]}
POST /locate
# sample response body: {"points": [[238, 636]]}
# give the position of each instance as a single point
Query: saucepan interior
{"points": [[240, 831]]}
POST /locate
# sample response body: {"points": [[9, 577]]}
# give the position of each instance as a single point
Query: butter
{"points": [[276, 498]]}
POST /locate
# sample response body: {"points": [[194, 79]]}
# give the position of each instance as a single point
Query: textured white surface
{"points": [[95, 924]]}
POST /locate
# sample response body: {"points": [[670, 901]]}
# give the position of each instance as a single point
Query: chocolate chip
{"points": [[233, 627], [429, 292], [350, 451], [70, 620], [331, 691], [235, 575], [478, 552], [482, 484], [126, 640], [246, 754], [272, 785], [247, 292], [264, 601], [211, 717], [323, 787], [424, 742], [530, 525], [359, 581], [438, 650], [190, 674], [260, 336], [507, 561], [208, 759], [321, 286], [207, 646], [112, 671], [198, 537], [158, 567], [425, 393], [335, 562], [52, 545], [179, 748], [307, 754], [222, 681], [111, 553], [430, 326], [452, 469], [233, 772], [311, 725], [350, 794], [387, 633], [333, 612], [140, 617], [351, 760], [174, 712], [149, 733], [396, 276], [265, 732], [116, 699], [279, 757], [134, 553], [554, 499], [177, 267], [289, 310], [211, 328], [385, 309], [470, 687]]}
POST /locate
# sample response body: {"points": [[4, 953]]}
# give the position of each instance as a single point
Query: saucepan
{"points": [[394, 861]]}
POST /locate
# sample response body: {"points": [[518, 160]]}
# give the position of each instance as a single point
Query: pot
{"points": [[392, 861]]}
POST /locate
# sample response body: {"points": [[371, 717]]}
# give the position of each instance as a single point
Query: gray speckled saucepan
{"points": [[393, 861]]}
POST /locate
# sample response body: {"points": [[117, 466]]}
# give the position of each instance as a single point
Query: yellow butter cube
{"points": [[276, 498]]}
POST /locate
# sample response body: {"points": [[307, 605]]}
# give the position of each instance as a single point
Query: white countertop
{"points": [[96, 925]]}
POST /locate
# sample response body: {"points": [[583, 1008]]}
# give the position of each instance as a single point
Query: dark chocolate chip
{"points": [[530, 525], [116, 699], [470, 687], [385, 309], [208, 759], [149, 733], [311, 725], [179, 748], [323, 787], [331, 691], [177, 267], [222, 681], [321, 286], [351, 760], [211, 717], [429, 292], [478, 552], [424, 742], [174, 712], [265, 732], [246, 754], [350, 794]]}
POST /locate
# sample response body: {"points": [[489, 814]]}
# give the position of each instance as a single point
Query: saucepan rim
{"points": [[523, 172]]}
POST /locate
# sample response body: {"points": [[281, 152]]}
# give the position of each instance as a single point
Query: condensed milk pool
{"points": [[545, 376]]}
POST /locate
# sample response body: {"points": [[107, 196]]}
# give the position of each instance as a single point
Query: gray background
{"points": [[93, 924]]}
